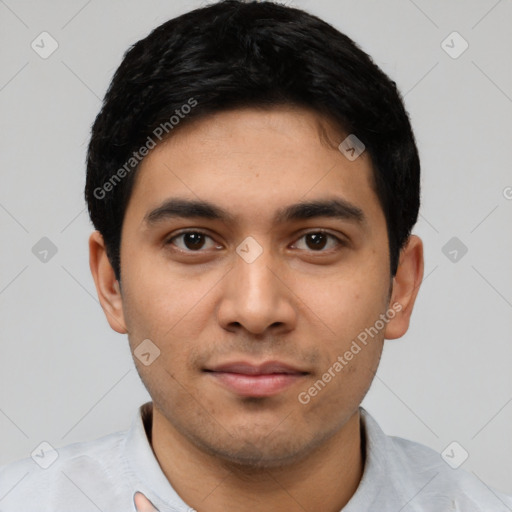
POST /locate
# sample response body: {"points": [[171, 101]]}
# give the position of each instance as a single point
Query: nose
{"points": [[257, 297]]}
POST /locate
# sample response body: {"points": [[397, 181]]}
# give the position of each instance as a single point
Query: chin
{"points": [[259, 450]]}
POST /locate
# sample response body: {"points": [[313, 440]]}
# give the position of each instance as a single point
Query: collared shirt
{"points": [[399, 475]]}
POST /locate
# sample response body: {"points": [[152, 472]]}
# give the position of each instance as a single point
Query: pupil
{"points": [[318, 239], [193, 240]]}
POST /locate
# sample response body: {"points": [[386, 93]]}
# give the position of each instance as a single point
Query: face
{"points": [[253, 297]]}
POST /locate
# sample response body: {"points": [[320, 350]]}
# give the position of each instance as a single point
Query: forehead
{"points": [[251, 163]]}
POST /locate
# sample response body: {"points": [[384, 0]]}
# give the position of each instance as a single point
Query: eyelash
{"points": [[339, 241]]}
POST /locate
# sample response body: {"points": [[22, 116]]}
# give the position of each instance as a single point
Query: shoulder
{"points": [[421, 477], [443, 481], [69, 476]]}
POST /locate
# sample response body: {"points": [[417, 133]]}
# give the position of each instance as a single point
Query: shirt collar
{"points": [[378, 473], [146, 474], [149, 478]]}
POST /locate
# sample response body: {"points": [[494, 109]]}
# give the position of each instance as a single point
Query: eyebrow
{"points": [[334, 208], [186, 208], [337, 208]]}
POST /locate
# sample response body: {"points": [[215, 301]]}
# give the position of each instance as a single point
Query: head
{"points": [[231, 225]]}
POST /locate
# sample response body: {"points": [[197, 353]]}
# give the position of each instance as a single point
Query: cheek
{"points": [[161, 299], [171, 310], [345, 305]]}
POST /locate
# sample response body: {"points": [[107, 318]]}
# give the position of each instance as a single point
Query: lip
{"points": [[256, 380], [265, 368]]}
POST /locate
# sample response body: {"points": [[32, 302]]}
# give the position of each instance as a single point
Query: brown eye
{"points": [[319, 240], [316, 240], [191, 241]]}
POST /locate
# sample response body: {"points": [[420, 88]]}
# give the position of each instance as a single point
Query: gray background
{"points": [[65, 376]]}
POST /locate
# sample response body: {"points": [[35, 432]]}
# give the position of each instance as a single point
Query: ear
{"points": [[107, 286], [406, 285]]}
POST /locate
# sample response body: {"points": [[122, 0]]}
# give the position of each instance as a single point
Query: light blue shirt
{"points": [[104, 474]]}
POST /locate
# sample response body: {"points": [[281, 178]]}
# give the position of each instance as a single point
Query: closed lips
{"points": [[268, 368]]}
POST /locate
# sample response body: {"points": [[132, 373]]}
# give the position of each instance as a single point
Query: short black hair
{"points": [[236, 54]]}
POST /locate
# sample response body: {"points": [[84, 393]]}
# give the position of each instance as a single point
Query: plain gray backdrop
{"points": [[65, 376]]}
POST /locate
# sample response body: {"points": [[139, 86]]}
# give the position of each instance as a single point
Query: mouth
{"points": [[256, 380]]}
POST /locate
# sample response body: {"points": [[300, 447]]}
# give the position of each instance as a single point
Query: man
{"points": [[253, 179]]}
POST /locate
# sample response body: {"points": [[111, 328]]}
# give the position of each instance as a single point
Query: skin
{"points": [[142, 504], [296, 303]]}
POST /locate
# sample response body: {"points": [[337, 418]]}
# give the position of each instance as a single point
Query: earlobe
{"points": [[107, 286], [406, 284]]}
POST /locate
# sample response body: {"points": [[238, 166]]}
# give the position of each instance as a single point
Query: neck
{"points": [[328, 476]]}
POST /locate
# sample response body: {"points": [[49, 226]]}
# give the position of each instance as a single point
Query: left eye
{"points": [[318, 240], [192, 240]]}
